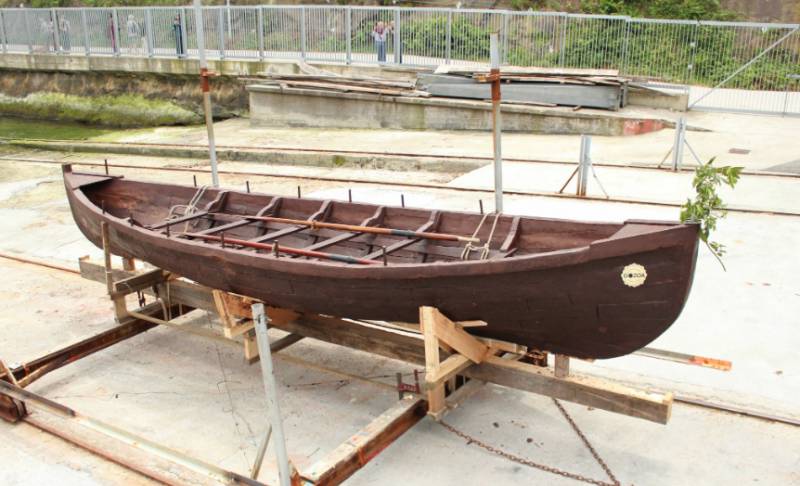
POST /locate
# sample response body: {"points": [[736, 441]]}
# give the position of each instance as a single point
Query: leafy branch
{"points": [[707, 207]]}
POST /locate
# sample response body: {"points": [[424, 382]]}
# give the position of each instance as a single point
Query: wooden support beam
{"points": [[455, 337], [427, 322], [354, 453], [578, 388], [449, 368], [141, 281]]}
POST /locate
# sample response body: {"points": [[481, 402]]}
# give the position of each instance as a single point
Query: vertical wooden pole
{"points": [[561, 366], [436, 401], [120, 309]]}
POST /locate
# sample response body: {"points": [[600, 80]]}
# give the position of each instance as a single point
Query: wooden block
{"points": [[446, 331], [561, 366], [141, 281], [129, 264], [359, 449], [450, 367], [250, 347]]}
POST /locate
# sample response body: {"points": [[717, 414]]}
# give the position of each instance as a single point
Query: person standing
{"points": [[112, 32], [133, 31], [64, 28], [379, 34], [178, 31]]}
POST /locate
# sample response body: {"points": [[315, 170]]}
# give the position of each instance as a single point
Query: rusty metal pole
{"points": [[497, 123], [201, 53]]}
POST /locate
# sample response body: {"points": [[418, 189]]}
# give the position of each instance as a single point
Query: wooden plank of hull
{"points": [[570, 302]]}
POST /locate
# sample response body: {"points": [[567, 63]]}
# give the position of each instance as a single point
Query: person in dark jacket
{"points": [[178, 31]]}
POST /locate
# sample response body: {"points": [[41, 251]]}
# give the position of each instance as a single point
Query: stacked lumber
{"points": [[592, 88], [343, 84]]}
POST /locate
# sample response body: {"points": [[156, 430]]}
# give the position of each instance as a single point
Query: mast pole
{"points": [[201, 53]]}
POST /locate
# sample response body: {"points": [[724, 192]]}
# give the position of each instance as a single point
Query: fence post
{"points": [[3, 37], [26, 19], [693, 44], [583, 165], [84, 27], [349, 31], [56, 32], [261, 33], [625, 46], [221, 31], [148, 25], [564, 25], [115, 31], [448, 48], [504, 54], [302, 32], [677, 149], [398, 53]]}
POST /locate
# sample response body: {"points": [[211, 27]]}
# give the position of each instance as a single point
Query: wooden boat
{"points": [[589, 290]]}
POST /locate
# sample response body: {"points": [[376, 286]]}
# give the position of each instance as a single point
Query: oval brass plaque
{"points": [[634, 275]]}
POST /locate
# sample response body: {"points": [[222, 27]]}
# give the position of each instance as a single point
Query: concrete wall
{"points": [[275, 106], [167, 66]]}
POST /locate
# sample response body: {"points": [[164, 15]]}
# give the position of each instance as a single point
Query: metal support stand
{"points": [[204, 74], [285, 470], [677, 147], [497, 123], [582, 171]]}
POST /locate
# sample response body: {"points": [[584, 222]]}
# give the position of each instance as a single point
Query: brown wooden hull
{"points": [[572, 301]]}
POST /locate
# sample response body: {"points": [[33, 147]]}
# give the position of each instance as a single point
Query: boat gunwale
{"points": [[598, 249]]}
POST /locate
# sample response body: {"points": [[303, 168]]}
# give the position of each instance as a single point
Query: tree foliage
{"points": [[707, 207]]}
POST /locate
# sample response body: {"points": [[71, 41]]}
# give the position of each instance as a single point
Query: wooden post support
{"points": [[435, 395], [129, 264], [561, 366], [439, 331]]}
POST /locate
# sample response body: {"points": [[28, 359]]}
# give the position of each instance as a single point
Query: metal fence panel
{"points": [[533, 39], [765, 85], [282, 32], [742, 66], [325, 33], [15, 27], [593, 42], [470, 35]]}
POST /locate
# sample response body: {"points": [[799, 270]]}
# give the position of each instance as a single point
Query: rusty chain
{"points": [[544, 467]]}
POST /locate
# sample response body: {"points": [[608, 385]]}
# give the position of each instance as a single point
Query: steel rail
{"points": [[254, 148], [42, 403], [352, 180]]}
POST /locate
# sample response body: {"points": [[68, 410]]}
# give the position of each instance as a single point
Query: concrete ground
{"points": [[198, 396], [768, 140]]}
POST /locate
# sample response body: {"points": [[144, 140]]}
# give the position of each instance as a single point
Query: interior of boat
{"points": [[298, 227]]}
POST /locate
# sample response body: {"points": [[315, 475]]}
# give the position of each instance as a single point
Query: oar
{"points": [[367, 229], [285, 249]]}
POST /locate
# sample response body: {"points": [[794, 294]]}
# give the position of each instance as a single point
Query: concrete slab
{"points": [[770, 140]]}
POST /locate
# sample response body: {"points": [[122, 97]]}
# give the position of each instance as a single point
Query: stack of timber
{"points": [[590, 88], [332, 82]]}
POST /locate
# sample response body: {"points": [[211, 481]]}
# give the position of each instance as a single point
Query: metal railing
{"points": [[722, 65]]}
